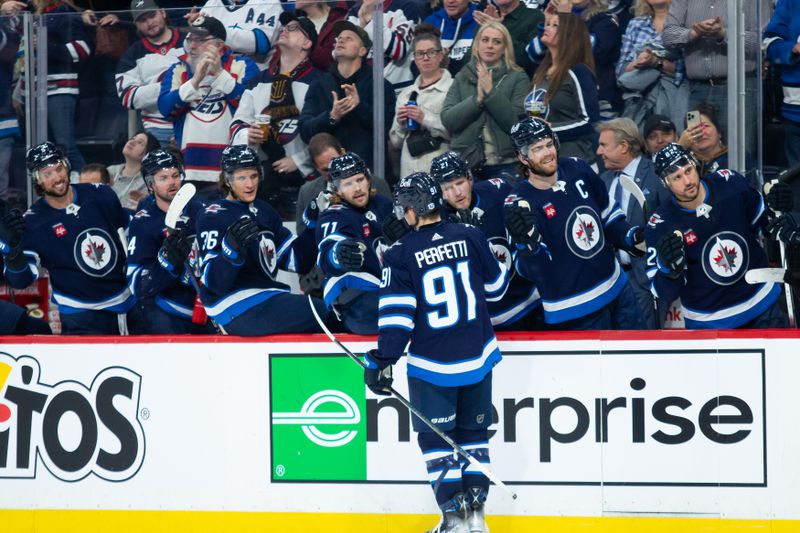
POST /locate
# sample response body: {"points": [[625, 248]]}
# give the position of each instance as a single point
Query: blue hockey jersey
{"points": [[81, 248], [721, 245], [343, 221], [229, 289], [434, 288], [575, 268], [172, 291], [522, 296]]}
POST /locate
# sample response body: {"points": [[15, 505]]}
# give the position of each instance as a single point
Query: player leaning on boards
{"points": [[157, 259], [703, 242], [243, 243], [350, 242], [434, 287], [563, 225], [481, 205], [74, 232]]}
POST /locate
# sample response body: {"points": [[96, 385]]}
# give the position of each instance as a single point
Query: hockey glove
{"points": [[393, 228], [12, 227], [521, 225], [239, 235], [377, 379], [671, 255], [174, 251], [780, 198], [471, 217], [634, 241], [315, 207], [786, 228], [348, 254]]}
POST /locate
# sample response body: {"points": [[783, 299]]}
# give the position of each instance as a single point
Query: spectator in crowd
{"points": [[158, 272], [564, 86], [651, 75], [399, 19], [521, 22], [658, 132], [200, 94], [279, 92], [340, 102], [782, 44], [95, 173], [324, 15], [622, 149], [73, 231], [605, 37], [622, 10], [243, 244], [457, 28], [560, 220], [483, 103], [705, 140], [126, 178], [417, 130], [67, 48], [251, 30], [349, 236], [9, 127], [700, 29], [140, 69], [701, 243]]}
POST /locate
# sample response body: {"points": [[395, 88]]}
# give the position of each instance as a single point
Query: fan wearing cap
{"points": [[158, 274], [200, 93], [74, 232], [399, 19], [701, 244], [140, 69], [243, 244], [339, 101], [280, 92], [658, 132], [565, 227], [349, 236], [251, 25]]}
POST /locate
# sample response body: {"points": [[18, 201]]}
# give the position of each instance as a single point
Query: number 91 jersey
{"points": [[434, 288]]}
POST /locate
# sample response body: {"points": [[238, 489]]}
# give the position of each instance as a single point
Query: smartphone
{"points": [[692, 119]]}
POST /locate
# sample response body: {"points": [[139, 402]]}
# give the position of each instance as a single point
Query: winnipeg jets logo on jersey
{"points": [[95, 253], [268, 253], [500, 250], [584, 233], [725, 258]]}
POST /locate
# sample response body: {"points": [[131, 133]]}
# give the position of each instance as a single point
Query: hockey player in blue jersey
{"points": [[74, 232], [243, 243], [435, 284], [481, 205], [701, 244], [157, 275], [563, 225], [349, 236]]}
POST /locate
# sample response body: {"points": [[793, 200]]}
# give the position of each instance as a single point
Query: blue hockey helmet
{"points": [[449, 166], [528, 131], [43, 155], [418, 192], [672, 158], [345, 166], [236, 157], [159, 159]]}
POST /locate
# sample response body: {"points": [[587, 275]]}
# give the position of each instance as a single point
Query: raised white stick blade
{"points": [[182, 198], [630, 186]]}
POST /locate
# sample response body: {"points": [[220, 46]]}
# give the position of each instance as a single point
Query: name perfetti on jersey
{"points": [[437, 254]]}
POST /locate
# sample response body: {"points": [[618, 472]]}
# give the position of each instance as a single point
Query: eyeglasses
{"points": [[293, 26], [197, 40], [430, 54]]}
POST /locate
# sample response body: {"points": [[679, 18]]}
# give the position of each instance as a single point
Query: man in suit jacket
{"points": [[623, 151]]}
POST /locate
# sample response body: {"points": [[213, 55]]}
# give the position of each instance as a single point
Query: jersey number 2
{"points": [[439, 289]]}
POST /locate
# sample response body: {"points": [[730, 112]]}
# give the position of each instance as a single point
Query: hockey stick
{"points": [[766, 275], [450, 442], [630, 186], [787, 289]]}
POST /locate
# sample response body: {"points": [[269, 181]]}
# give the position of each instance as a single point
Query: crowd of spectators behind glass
{"points": [[457, 75]]}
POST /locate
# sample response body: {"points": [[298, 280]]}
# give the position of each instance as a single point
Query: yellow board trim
{"points": [[63, 521]]}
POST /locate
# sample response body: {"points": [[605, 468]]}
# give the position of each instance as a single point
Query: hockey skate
{"points": [[454, 520], [476, 521]]}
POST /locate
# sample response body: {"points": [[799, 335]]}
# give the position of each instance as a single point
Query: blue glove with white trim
{"points": [[378, 379]]}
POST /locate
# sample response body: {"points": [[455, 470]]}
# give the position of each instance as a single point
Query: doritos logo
{"points": [[59, 230]]}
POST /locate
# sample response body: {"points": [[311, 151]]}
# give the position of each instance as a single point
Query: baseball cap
{"points": [[658, 122], [208, 26], [343, 25], [305, 24], [140, 7]]}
